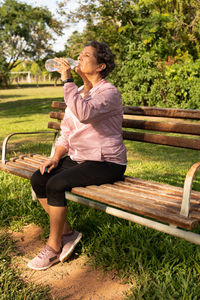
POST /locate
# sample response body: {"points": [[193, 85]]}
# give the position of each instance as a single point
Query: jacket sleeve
{"points": [[104, 103]]}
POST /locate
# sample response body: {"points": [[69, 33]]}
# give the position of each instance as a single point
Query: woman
{"points": [[89, 151]]}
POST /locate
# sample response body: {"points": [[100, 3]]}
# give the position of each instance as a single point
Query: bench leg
{"points": [[34, 198], [186, 235]]}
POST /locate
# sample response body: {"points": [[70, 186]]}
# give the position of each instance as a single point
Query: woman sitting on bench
{"points": [[89, 151]]}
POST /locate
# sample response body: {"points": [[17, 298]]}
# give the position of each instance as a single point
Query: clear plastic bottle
{"points": [[50, 64]]}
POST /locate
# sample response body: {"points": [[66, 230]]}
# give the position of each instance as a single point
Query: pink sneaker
{"points": [[45, 259], [69, 242]]}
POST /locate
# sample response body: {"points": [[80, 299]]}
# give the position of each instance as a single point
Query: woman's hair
{"points": [[103, 54]]}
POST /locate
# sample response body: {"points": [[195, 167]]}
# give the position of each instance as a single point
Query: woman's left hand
{"points": [[63, 68]]}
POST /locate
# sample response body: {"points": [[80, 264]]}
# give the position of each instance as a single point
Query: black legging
{"points": [[69, 174]]}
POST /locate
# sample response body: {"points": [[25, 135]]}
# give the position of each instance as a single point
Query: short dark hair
{"points": [[103, 54]]}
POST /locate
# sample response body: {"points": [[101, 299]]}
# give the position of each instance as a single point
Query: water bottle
{"points": [[51, 64]]}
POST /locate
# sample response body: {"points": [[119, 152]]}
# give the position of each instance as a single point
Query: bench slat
{"points": [[56, 115], [21, 172], [167, 194], [193, 129], [138, 197], [153, 195], [162, 140], [21, 165], [58, 105], [152, 198], [35, 160], [39, 157], [54, 125], [158, 185], [149, 111], [24, 163], [162, 112], [166, 217]]}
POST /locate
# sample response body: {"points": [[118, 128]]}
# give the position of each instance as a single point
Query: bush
{"points": [[147, 81]]}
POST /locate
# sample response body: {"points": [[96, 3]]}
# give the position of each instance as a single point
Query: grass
{"points": [[11, 287], [163, 267]]}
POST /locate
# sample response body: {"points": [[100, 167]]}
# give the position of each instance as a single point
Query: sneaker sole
{"points": [[69, 253], [44, 268]]}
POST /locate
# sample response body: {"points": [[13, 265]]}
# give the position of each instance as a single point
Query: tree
{"points": [[157, 46], [36, 71], [25, 32]]}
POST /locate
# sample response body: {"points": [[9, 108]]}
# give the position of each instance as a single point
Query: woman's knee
{"points": [[35, 179], [38, 182]]}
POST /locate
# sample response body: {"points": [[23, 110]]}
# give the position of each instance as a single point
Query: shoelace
{"points": [[43, 252]]}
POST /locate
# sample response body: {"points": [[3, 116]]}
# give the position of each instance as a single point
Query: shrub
{"points": [[147, 81]]}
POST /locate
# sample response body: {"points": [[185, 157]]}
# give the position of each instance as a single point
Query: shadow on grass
{"points": [[31, 85], [18, 108], [31, 146], [10, 96]]}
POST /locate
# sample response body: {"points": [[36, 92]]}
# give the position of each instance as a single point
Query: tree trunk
{"points": [[3, 81]]}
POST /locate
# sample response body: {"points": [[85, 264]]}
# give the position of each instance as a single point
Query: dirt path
{"points": [[72, 280]]}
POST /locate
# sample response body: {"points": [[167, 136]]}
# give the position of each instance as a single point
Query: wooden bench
{"points": [[166, 208]]}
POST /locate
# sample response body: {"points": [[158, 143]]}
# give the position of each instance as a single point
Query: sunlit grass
{"points": [[11, 286], [26, 109]]}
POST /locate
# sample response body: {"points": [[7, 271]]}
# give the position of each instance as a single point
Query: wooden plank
{"points": [[35, 160], [58, 105], [151, 191], [21, 172], [194, 214], [21, 165], [57, 115], [193, 129], [163, 112], [40, 157], [151, 198], [138, 197], [168, 195], [161, 186], [139, 209], [54, 125], [26, 163], [162, 140]]}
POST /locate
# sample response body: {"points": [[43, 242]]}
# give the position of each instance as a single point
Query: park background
{"points": [[157, 47]]}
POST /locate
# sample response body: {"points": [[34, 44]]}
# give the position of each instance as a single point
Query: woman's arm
{"points": [[102, 104]]}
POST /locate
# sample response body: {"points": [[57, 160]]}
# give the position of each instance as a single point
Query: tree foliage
{"points": [[150, 39], [25, 32]]}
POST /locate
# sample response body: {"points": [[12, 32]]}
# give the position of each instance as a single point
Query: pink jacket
{"points": [[92, 126]]}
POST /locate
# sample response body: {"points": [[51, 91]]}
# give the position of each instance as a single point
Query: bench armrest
{"points": [[5, 142], [185, 206]]}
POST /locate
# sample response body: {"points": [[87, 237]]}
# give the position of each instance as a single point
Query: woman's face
{"points": [[88, 62]]}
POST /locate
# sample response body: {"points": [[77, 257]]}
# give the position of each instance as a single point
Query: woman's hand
{"points": [[63, 68], [48, 165]]}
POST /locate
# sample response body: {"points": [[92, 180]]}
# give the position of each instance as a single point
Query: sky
{"points": [[52, 5]]}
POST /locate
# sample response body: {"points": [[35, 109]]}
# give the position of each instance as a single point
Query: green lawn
{"points": [[164, 267]]}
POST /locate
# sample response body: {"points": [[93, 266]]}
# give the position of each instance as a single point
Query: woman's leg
{"points": [[45, 205], [57, 217], [77, 175]]}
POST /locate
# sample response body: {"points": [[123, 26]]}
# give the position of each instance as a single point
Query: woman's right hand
{"points": [[49, 164]]}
